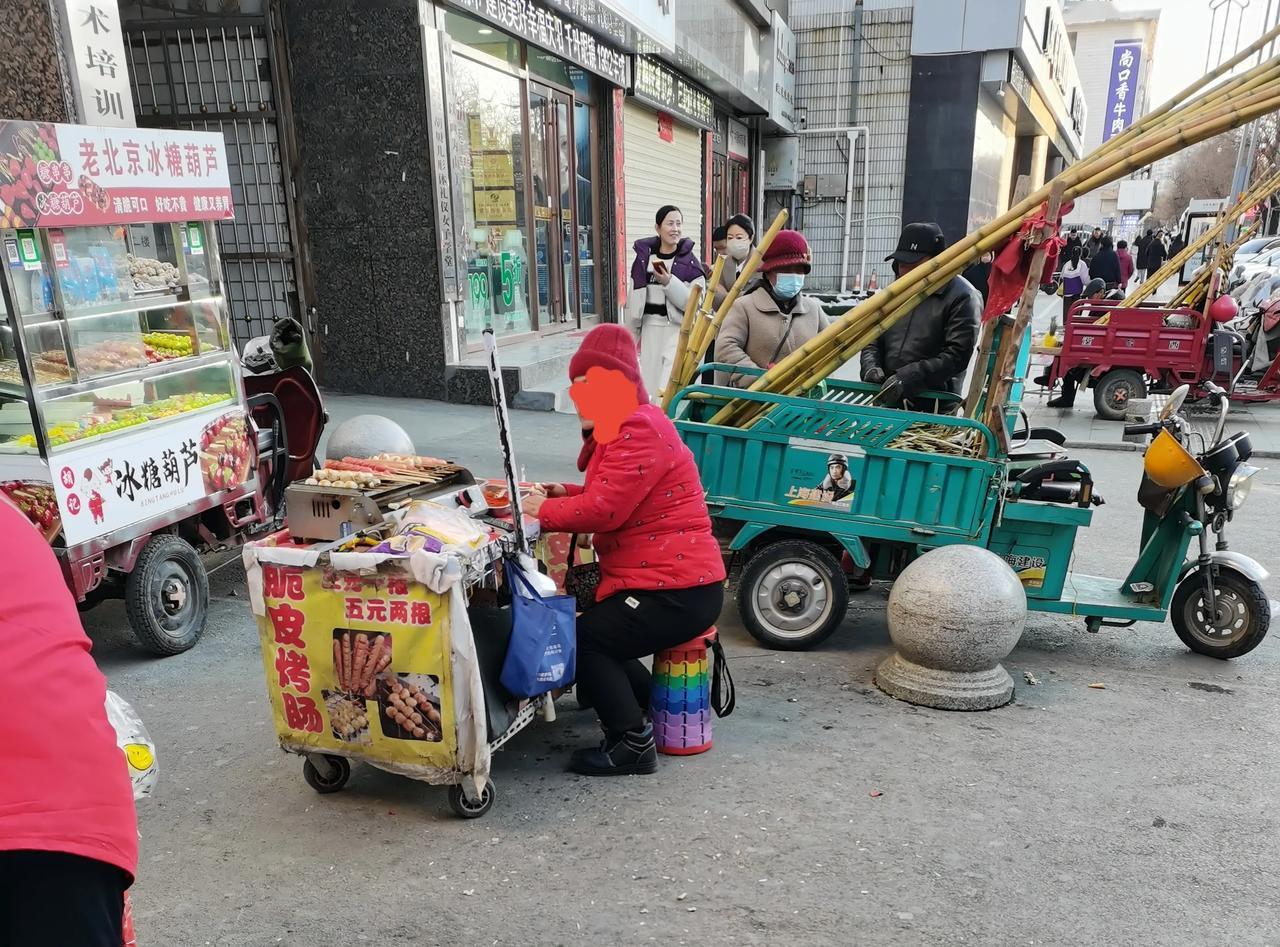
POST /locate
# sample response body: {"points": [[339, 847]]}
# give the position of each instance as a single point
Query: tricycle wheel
{"points": [[793, 595], [1242, 620], [167, 595], [337, 778], [1114, 391], [468, 809]]}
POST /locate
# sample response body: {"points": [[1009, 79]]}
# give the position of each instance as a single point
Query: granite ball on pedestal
{"points": [[954, 615], [366, 435]]}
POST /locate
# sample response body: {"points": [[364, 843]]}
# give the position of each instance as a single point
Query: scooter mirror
{"points": [[1175, 402]]}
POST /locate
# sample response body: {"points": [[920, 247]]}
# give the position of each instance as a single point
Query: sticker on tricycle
{"points": [[1030, 570], [830, 486]]}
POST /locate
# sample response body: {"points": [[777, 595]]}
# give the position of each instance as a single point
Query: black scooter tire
{"points": [[1247, 593]]}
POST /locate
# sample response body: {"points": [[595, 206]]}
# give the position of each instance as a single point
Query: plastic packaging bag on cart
{"points": [[429, 526], [135, 743]]}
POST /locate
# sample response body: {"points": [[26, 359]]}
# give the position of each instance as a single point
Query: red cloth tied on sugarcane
{"points": [[1012, 262]]}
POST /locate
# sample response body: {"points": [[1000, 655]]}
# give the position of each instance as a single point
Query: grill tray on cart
{"points": [[323, 513]]}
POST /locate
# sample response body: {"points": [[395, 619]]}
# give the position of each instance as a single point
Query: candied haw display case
{"points": [[124, 429]]}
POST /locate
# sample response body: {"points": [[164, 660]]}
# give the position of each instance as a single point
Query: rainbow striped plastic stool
{"points": [[680, 702]]}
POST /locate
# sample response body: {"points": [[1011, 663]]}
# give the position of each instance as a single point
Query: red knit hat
{"points": [[609, 346], [789, 248]]}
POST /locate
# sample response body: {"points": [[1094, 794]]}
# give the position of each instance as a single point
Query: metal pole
{"points": [[852, 131], [848, 213], [866, 202]]}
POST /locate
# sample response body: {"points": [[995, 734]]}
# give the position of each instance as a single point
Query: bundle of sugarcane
{"points": [[1250, 199], [1196, 291], [1190, 117], [699, 327], [940, 439]]}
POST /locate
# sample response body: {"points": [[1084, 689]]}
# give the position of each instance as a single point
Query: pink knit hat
{"points": [[789, 248], [609, 346]]}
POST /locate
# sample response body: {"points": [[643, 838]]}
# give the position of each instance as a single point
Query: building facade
{"points": [[960, 106], [409, 174], [1115, 55]]}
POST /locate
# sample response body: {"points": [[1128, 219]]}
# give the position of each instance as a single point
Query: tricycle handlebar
{"points": [[1142, 429]]}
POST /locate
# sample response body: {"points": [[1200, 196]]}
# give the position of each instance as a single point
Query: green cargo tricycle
{"points": [[823, 487]]}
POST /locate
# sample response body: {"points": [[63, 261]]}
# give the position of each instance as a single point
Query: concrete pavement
{"points": [[827, 813]]}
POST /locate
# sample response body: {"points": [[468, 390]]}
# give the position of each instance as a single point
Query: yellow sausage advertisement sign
{"points": [[358, 665]]}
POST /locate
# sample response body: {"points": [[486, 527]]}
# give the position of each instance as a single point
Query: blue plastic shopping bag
{"points": [[543, 650]]}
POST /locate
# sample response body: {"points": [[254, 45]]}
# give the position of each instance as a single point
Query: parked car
{"points": [[1267, 262], [1258, 246]]}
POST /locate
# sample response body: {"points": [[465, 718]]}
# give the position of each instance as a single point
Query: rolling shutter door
{"points": [[660, 172]]}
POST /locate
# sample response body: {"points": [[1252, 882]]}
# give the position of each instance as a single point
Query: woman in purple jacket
{"points": [[664, 270]]}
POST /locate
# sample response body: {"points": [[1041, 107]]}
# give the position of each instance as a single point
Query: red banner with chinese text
{"points": [[81, 175]]}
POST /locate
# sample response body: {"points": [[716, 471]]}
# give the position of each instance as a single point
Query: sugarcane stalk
{"points": [[1147, 144], [992, 236], [682, 370], [690, 313], [1175, 263]]}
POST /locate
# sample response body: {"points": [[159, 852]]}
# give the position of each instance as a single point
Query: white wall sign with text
{"points": [[95, 56]]}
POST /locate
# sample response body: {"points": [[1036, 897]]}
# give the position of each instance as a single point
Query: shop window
{"points": [[482, 38], [494, 201]]}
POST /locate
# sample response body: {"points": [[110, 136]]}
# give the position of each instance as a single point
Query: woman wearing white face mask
{"points": [[776, 318], [740, 236]]}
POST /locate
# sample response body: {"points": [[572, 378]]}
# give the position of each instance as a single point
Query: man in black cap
{"points": [[929, 348]]}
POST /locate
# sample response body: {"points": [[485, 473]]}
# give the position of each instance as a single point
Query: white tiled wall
{"points": [[825, 39]]}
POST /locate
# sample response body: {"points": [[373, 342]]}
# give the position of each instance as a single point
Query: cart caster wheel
{"points": [[467, 809], [334, 781]]}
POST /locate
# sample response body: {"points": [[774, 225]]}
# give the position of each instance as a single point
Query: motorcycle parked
{"points": [[1219, 607], [286, 407]]}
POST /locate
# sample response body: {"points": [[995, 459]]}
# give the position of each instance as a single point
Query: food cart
{"points": [[368, 648], [124, 432]]}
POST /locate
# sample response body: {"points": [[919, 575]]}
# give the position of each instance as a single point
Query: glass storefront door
{"points": [[551, 158], [528, 161], [494, 205]]}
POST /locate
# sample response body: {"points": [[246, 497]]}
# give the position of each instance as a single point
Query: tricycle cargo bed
{"points": [[777, 471], [1152, 340]]}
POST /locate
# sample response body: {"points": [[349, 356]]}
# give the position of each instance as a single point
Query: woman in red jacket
{"points": [[68, 831], [661, 571]]}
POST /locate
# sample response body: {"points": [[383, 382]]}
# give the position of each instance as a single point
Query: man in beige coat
{"points": [[775, 319]]}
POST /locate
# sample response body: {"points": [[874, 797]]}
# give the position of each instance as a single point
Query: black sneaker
{"points": [[620, 754], [1060, 402]]}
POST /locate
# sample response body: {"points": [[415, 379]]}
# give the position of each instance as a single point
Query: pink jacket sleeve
{"points": [[630, 466]]}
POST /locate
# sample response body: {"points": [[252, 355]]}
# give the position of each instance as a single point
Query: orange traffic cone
{"points": [[874, 283], [857, 283]]}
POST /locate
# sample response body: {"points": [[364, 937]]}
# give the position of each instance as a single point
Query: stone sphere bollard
{"points": [[366, 435], [954, 615]]}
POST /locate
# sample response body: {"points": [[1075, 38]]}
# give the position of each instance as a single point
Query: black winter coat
{"points": [[1105, 266], [1155, 255], [930, 347]]}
